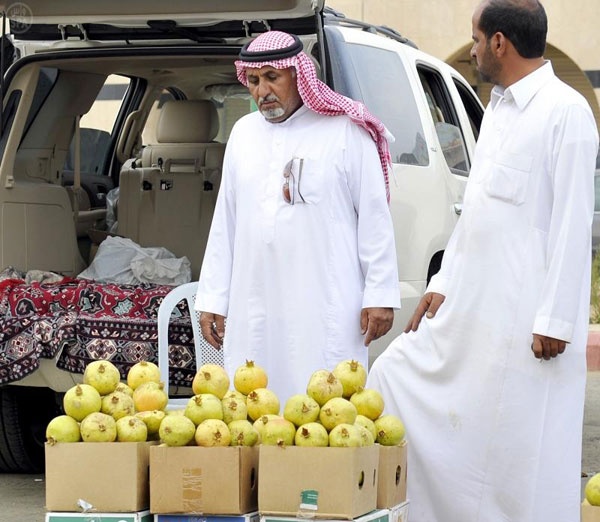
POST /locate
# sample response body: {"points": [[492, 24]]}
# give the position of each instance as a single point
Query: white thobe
{"points": [[494, 434], [292, 279]]}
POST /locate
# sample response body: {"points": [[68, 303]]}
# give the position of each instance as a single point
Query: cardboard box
{"points": [[378, 515], [391, 487], [250, 517], [590, 513], [204, 481], [140, 516], [110, 476], [332, 483], [399, 513]]}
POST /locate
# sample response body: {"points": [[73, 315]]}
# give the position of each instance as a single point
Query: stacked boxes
{"points": [[222, 484]]}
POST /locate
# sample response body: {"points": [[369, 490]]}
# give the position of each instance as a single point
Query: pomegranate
{"points": [[131, 429], [368, 402], [141, 372], [150, 396], [243, 433], [203, 406], [98, 427], [365, 435], [212, 432], [301, 409], [234, 409], [345, 436], [152, 419], [262, 401], [311, 434], [248, 377], [211, 378], [81, 400], [337, 411], [62, 429], [102, 375], [176, 430], [365, 422], [324, 385], [353, 376], [124, 388], [390, 430], [277, 431], [234, 394], [117, 404]]}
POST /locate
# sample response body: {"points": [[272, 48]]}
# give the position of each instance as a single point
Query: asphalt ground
{"points": [[22, 497]]}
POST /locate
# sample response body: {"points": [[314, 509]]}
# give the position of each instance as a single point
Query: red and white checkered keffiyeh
{"points": [[315, 94]]}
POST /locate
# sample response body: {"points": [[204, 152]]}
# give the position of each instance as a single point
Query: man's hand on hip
{"points": [[428, 305]]}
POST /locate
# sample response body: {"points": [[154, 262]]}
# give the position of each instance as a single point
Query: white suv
{"points": [[145, 102]]}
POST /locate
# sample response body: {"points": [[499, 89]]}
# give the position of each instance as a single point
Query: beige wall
{"points": [[443, 28]]}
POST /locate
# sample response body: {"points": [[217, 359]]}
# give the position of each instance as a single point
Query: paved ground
{"points": [[22, 496]]}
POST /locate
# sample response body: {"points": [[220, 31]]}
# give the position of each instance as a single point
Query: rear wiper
{"points": [[171, 27]]}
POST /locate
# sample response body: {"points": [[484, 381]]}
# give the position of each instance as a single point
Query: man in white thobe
{"points": [[489, 376], [301, 258]]}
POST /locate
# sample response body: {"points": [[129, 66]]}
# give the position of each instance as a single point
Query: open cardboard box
{"points": [[391, 487], [205, 481], [341, 483], [590, 513], [110, 476]]}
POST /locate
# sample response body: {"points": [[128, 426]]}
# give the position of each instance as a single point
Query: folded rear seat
{"points": [[167, 197]]}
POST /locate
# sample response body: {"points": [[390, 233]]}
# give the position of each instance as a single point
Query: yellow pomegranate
{"points": [[102, 375], [81, 400], [249, 377], [211, 378], [141, 372], [150, 396]]}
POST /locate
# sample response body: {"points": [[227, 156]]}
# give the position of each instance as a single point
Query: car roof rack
{"points": [[335, 17]]}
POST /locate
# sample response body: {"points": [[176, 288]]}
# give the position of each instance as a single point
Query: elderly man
{"points": [[300, 258], [490, 374]]}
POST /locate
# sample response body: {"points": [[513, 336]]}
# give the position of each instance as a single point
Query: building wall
{"points": [[443, 28]]}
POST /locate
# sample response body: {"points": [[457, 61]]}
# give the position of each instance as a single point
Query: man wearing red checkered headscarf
{"points": [[300, 259]]}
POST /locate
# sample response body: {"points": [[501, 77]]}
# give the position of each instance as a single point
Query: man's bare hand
{"points": [[547, 347], [428, 305], [375, 322], [212, 327]]}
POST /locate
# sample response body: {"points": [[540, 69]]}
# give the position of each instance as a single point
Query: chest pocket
{"points": [[310, 186], [509, 177]]}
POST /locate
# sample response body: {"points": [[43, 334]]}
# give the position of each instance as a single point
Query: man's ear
{"points": [[498, 43]]}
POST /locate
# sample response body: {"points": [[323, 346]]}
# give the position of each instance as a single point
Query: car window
{"points": [[390, 97], [472, 106], [445, 120]]}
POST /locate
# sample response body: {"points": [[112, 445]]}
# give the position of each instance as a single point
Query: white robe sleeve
{"points": [[569, 245], [215, 275], [375, 231]]}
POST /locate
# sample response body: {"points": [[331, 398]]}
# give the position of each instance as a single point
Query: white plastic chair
{"points": [[203, 351]]}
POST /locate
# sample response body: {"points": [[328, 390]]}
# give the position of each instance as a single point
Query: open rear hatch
{"points": [[150, 19]]}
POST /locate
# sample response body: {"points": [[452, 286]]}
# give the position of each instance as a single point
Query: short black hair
{"points": [[522, 22]]}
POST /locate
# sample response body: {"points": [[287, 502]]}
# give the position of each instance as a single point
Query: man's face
{"points": [[275, 92], [487, 64]]}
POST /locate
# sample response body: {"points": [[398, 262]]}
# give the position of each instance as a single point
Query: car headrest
{"points": [[187, 121]]}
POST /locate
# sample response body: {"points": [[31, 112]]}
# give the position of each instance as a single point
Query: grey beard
{"points": [[271, 114]]}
